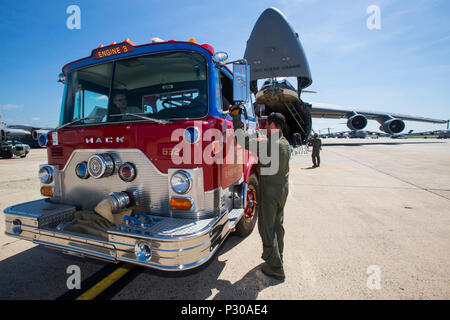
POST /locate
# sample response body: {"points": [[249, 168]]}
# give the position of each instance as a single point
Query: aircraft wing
{"points": [[321, 110]]}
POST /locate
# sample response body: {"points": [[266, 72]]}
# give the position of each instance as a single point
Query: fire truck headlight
{"points": [[181, 182], [46, 174], [127, 172], [81, 170], [100, 165]]}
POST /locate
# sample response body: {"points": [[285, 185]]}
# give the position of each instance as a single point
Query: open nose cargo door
{"points": [[274, 50]]}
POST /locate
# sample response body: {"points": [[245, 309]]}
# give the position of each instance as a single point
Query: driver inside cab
{"points": [[121, 103]]}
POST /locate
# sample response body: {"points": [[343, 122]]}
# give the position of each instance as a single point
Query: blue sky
{"points": [[404, 67]]}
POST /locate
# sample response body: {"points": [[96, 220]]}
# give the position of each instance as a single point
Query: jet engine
{"points": [[357, 122], [393, 126], [10, 133], [35, 133]]}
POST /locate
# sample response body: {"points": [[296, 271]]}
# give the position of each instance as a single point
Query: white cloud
{"points": [[10, 106], [35, 119], [353, 45]]}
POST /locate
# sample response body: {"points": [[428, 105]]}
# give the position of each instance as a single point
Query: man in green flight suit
{"points": [[317, 146], [273, 166]]}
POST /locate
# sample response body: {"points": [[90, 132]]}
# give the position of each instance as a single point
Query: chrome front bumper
{"points": [[176, 244]]}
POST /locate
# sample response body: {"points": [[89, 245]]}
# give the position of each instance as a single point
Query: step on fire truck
{"points": [[115, 143]]}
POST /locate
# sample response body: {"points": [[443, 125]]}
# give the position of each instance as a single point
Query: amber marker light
{"points": [[180, 204], [47, 191], [127, 40]]}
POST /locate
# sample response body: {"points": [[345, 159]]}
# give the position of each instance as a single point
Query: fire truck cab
{"points": [[146, 128]]}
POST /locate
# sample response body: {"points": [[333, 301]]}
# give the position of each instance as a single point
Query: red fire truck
{"points": [[133, 120]]}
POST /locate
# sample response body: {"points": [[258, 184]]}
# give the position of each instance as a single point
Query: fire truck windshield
{"points": [[159, 86]]}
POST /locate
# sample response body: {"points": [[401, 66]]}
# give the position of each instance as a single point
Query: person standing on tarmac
{"points": [[317, 146], [273, 188]]}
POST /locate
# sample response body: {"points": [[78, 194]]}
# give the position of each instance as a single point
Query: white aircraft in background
{"points": [[273, 52], [24, 133]]}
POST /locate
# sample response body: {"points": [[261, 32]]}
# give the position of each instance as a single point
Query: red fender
{"points": [[249, 166]]}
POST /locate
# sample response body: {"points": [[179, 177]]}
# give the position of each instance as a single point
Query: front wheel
{"points": [[247, 223], [8, 154]]}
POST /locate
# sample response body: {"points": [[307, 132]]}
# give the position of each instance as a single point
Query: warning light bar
{"points": [[127, 46]]}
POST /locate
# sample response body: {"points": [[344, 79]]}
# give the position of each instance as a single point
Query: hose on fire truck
{"points": [[96, 222]]}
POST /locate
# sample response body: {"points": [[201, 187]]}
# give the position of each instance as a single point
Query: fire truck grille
{"points": [[150, 187], [56, 151]]}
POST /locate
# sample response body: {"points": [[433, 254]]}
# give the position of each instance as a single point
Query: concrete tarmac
{"points": [[373, 222]]}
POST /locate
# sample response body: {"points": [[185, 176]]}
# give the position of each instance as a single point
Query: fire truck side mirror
{"points": [[241, 83]]}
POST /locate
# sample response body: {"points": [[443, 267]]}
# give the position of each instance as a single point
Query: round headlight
{"points": [[181, 182], [143, 251], [81, 170], [100, 165], [46, 174], [127, 172]]}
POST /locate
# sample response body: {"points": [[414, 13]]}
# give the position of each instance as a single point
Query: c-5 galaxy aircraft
{"points": [[274, 51], [23, 133], [11, 133], [33, 134]]}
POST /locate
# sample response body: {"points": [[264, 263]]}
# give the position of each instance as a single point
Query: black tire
{"points": [[7, 154], [245, 226]]}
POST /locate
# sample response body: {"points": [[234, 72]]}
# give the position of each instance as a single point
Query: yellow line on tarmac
{"points": [[106, 282]]}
